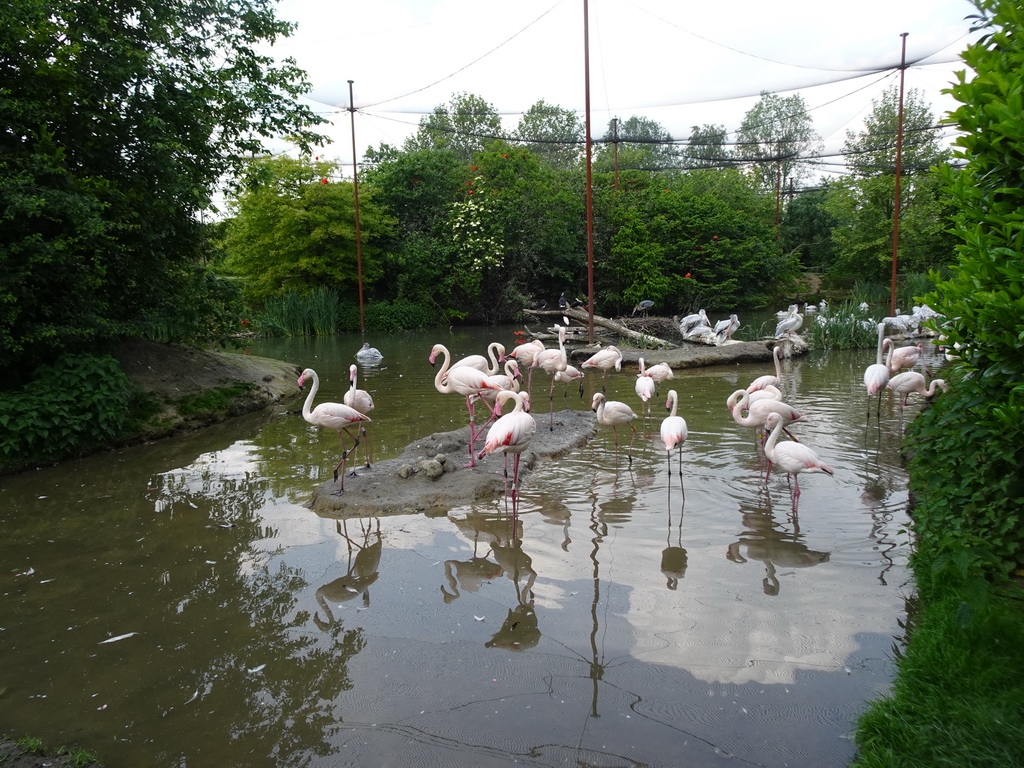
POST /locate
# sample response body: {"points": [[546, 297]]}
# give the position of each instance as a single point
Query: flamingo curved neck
{"points": [[307, 407], [769, 445], [439, 378], [674, 399]]}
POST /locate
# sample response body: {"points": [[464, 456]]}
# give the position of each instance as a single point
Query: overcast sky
{"points": [[679, 63]]}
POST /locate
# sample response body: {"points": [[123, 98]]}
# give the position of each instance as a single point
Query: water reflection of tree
{"points": [[770, 543], [250, 668]]}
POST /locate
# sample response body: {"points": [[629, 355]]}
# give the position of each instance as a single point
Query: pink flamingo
{"points": [[876, 376], [553, 361], [769, 392], [571, 373], [644, 387], [360, 400], [464, 380], [336, 416], [901, 357], [605, 359], [611, 413], [912, 381], [673, 431], [490, 364], [508, 380], [660, 372], [758, 412], [768, 380], [524, 355], [791, 458], [511, 433]]}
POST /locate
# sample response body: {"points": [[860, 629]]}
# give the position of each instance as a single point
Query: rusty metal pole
{"points": [[899, 159], [590, 191], [355, 198], [615, 147]]}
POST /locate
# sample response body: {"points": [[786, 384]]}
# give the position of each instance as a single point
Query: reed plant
{"points": [[846, 326], [296, 314]]}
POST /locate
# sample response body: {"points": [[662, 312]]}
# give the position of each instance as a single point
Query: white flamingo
{"points": [[673, 431], [511, 433], [612, 413], [336, 416], [792, 458], [876, 376], [553, 361], [763, 381], [605, 359], [911, 381], [466, 381], [360, 400], [491, 365]]}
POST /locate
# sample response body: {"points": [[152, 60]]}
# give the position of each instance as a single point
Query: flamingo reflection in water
{"points": [[771, 544], [363, 571]]}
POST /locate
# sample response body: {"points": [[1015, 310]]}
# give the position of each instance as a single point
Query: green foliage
{"points": [[294, 229], [74, 405], [218, 402], [293, 313], [774, 133], [979, 423], [464, 127], [116, 134], [862, 206], [705, 238], [806, 230]]}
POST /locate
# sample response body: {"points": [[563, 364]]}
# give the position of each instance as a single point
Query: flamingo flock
{"points": [[495, 380]]}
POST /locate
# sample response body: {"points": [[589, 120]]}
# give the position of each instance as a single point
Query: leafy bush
{"points": [[75, 404], [970, 446]]}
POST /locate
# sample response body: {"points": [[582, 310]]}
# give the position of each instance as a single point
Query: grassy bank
{"points": [[958, 699]]}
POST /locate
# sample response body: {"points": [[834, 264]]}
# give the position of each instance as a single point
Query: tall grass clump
{"points": [[293, 313], [845, 326]]}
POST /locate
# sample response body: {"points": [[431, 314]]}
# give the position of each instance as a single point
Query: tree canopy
{"points": [[119, 121]]}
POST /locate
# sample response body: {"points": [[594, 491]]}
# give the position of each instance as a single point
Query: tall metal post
{"points": [[590, 191], [615, 147], [899, 160], [355, 196]]}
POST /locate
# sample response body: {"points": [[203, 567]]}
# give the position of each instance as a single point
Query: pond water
{"points": [[178, 604]]}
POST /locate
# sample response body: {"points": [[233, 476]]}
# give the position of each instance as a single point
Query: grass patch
{"points": [[214, 402], [958, 700]]}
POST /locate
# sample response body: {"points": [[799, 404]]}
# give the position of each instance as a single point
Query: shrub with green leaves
{"points": [[74, 405], [969, 448]]}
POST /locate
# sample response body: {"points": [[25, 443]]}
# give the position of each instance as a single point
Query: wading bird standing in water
{"points": [[360, 400], [792, 458], [336, 416], [673, 432], [612, 413], [605, 359]]}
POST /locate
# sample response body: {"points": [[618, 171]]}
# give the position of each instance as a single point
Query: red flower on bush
{"points": [[715, 237], [245, 322], [323, 181], [688, 274]]}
